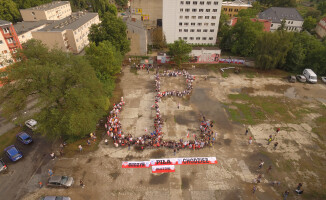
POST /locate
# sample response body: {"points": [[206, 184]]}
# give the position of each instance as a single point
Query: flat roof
{"points": [[73, 22], [205, 48], [23, 27], [235, 3], [4, 22], [48, 6]]}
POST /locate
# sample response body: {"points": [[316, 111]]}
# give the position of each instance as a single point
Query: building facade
{"points": [[68, 34], [149, 11], [321, 28], [55, 10], [24, 29], [232, 8], [194, 21], [293, 20], [9, 43]]}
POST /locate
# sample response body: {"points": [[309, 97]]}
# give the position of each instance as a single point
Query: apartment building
{"points": [[70, 33], [232, 8], [321, 28], [194, 21], [55, 10], [9, 43], [149, 11], [293, 20], [24, 29]]}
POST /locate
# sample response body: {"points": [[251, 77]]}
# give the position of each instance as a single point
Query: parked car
{"points": [[55, 198], [60, 181], [323, 79], [310, 76], [31, 123], [301, 78], [292, 79], [3, 166], [24, 138], [13, 153]]}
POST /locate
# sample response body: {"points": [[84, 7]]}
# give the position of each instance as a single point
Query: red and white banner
{"points": [[184, 161], [163, 169], [136, 164]]}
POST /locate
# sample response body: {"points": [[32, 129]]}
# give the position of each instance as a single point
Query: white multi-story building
{"points": [[195, 21]]}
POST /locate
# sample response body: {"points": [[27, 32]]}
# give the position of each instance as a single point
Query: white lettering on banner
{"points": [[163, 169], [136, 164], [163, 161]]}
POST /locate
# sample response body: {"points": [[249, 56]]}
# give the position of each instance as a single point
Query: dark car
{"points": [[55, 198], [13, 153], [60, 181], [24, 138], [292, 79], [3, 166]]}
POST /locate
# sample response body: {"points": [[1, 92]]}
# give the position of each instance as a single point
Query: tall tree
{"points": [[251, 12], [322, 7], [279, 3], [158, 38], [70, 97], [122, 3], [112, 29], [9, 11], [272, 48], [309, 23], [179, 52], [22, 4]]}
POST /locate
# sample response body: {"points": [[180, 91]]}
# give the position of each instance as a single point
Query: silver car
{"points": [[55, 198], [60, 181]]}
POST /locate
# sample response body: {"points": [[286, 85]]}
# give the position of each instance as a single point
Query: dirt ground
{"points": [[299, 157]]}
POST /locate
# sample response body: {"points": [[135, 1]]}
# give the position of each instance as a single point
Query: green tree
{"points": [[103, 6], [251, 12], [244, 36], [158, 38], [309, 23], [279, 3], [112, 29], [121, 3], [9, 11], [272, 48], [69, 96], [179, 52], [322, 7], [22, 4]]}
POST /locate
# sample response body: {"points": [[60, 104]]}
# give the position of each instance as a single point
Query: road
{"points": [[23, 176]]}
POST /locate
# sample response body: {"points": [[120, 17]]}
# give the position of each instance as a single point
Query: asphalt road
{"points": [[23, 176]]}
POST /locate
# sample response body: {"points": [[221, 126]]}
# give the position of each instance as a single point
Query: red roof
{"points": [[267, 24]]}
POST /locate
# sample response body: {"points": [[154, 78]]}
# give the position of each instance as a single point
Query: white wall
{"points": [[5, 54], [172, 20], [290, 25]]}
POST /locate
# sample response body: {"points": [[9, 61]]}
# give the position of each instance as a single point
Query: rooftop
{"points": [[266, 23], [277, 14], [4, 22], [235, 3], [23, 27], [205, 48], [73, 22], [49, 6]]}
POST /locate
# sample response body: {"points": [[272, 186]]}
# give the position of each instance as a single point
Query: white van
{"points": [[310, 75]]}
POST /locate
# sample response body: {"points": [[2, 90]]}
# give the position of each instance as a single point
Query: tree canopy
{"points": [[69, 95], [9, 11], [279, 3], [179, 52], [112, 29]]}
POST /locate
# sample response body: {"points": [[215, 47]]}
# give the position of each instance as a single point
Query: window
{"points": [[193, 24], [205, 24], [206, 17], [201, 10], [185, 38], [180, 23], [208, 10], [192, 30], [193, 17], [185, 30], [33, 13], [180, 38], [195, 2], [187, 10], [211, 30], [202, 3], [210, 38], [225, 9], [194, 10], [213, 17], [198, 30], [6, 30], [213, 24], [181, 17], [215, 2], [197, 38], [188, 2], [204, 38], [292, 22], [214, 10], [200, 17], [186, 24], [1, 41], [209, 3], [205, 30], [180, 30], [199, 24], [191, 38], [10, 40], [181, 9], [271, 25], [186, 17], [181, 2], [289, 22]]}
